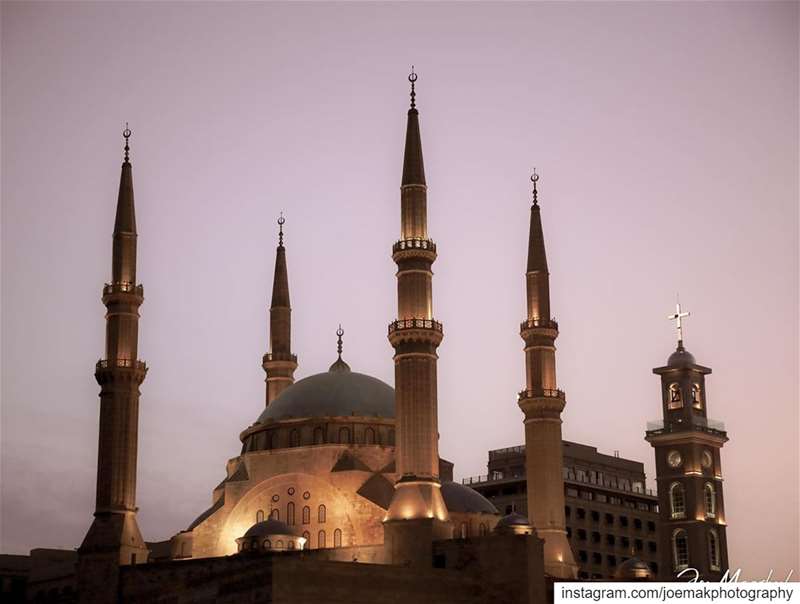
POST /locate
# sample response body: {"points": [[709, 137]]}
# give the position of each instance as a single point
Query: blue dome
{"points": [[338, 392]]}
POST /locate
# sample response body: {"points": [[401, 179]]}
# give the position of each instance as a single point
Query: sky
{"points": [[666, 137]]}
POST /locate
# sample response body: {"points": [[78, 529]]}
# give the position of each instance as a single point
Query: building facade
{"points": [[610, 515]]}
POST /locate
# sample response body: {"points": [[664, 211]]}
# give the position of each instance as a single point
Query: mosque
{"points": [[340, 494]]}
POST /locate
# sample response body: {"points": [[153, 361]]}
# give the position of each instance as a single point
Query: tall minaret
{"points": [[279, 364], [688, 470], [417, 514], [114, 536], [542, 404]]}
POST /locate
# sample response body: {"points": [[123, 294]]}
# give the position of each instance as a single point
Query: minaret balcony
{"points": [[123, 288], [697, 424], [286, 357], [421, 331], [121, 363], [538, 323], [541, 393], [414, 247], [402, 324]]}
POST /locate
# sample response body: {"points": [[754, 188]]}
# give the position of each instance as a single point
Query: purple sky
{"points": [[666, 136]]}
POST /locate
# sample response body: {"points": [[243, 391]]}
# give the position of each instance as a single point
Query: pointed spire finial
{"points": [[412, 77], [127, 134], [281, 221], [340, 333], [534, 180]]}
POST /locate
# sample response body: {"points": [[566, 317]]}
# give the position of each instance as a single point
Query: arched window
{"points": [[267, 544], [306, 515], [279, 544], [482, 530], [260, 516], [290, 513], [675, 398], [680, 549], [710, 500], [274, 442], [275, 514], [294, 438], [391, 437], [463, 530], [677, 500], [321, 540], [337, 538], [307, 542], [713, 550], [369, 436], [321, 513], [697, 400], [319, 436], [344, 435]]}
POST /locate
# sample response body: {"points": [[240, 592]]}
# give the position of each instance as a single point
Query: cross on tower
{"points": [[678, 324]]}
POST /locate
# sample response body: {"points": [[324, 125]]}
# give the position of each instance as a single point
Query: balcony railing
{"points": [[531, 323], [414, 244], [125, 363], [703, 424], [541, 392], [279, 356], [499, 476], [124, 287], [497, 453], [414, 324]]}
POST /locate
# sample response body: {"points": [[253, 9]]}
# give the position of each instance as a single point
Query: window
{"points": [[321, 540], [279, 544], [581, 513], [580, 475], [319, 436], [612, 560], [710, 500], [625, 543], [391, 437], [697, 401], [595, 516], [290, 513], [639, 544], [597, 558], [369, 436], [567, 511], [306, 515], [610, 519], [275, 514], [344, 435], [294, 438], [321, 514], [651, 526], [595, 537], [623, 521], [569, 532], [652, 547], [572, 492], [638, 486], [582, 534], [713, 550], [675, 399], [582, 556], [307, 537], [624, 484], [274, 442], [260, 516], [637, 524], [677, 500], [680, 549], [482, 530], [267, 544], [610, 540], [601, 497], [337, 538], [463, 531]]}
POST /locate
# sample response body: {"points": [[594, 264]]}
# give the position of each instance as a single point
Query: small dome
{"points": [[513, 519], [335, 393], [681, 358], [634, 569], [269, 527], [460, 498]]}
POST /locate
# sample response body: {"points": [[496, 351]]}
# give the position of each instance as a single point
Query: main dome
{"points": [[335, 393]]}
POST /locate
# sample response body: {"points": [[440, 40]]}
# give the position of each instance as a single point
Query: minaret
{"points": [[114, 538], [542, 403], [279, 364], [688, 470], [417, 514]]}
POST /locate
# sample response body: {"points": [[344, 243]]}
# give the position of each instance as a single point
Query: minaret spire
{"points": [[114, 537], [417, 514], [542, 403], [279, 364]]}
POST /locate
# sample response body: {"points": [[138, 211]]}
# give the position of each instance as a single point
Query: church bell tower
{"points": [[542, 403], [114, 538], [417, 514], [688, 470]]}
